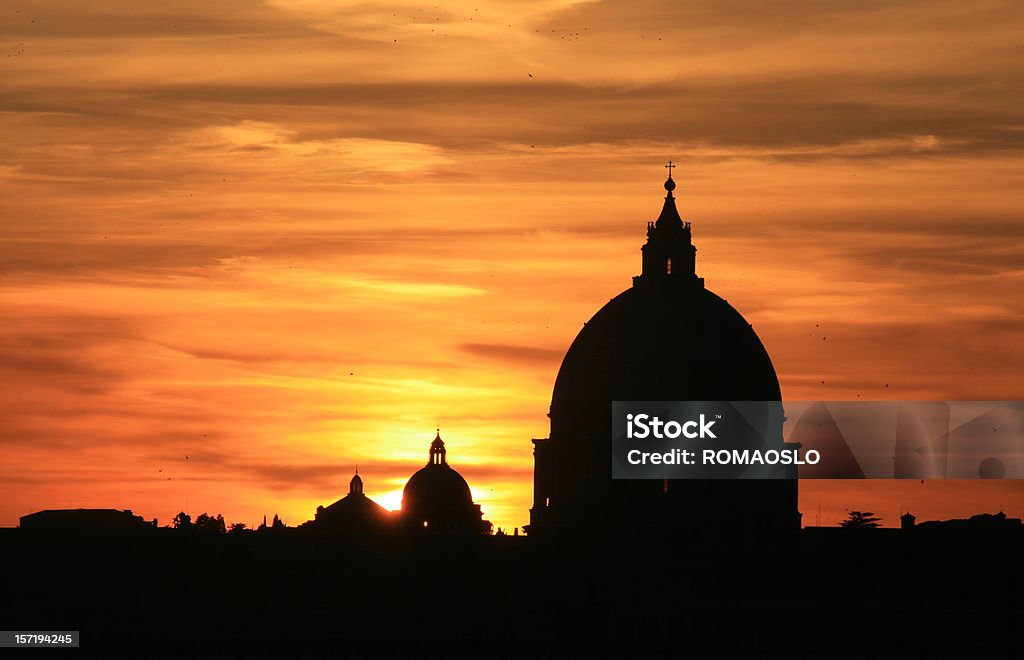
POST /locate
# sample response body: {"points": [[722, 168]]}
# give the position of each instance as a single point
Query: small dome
{"points": [[353, 513], [437, 498]]}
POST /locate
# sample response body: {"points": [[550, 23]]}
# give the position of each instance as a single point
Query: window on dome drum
{"points": [[668, 267], [547, 501]]}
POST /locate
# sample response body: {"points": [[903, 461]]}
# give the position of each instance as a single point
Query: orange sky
{"points": [[283, 238]]}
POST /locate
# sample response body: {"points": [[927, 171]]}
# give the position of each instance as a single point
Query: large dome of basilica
{"points": [[667, 338]]}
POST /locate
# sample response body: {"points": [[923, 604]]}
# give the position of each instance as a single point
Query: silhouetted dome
{"points": [[665, 339], [662, 343], [438, 498], [436, 486]]}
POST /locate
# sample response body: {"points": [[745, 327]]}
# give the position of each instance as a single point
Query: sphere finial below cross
{"points": [[670, 184]]}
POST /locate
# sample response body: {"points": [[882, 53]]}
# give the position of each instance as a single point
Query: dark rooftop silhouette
{"points": [[353, 514]]}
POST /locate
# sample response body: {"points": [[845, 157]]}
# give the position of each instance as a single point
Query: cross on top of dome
{"points": [[670, 183]]}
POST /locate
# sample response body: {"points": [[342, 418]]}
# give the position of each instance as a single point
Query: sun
{"points": [[391, 500]]}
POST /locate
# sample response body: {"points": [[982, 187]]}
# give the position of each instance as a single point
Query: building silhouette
{"points": [[276, 525], [84, 521], [354, 513], [982, 523], [437, 499], [667, 338]]}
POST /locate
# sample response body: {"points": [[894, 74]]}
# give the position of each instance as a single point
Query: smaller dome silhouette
{"points": [[437, 499], [354, 513]]}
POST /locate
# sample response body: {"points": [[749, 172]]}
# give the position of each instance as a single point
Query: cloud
{"points": [[83, 19], [58, 352], [334, 157], [529, 355]]}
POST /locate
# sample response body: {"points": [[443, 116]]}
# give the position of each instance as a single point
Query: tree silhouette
{"points": [[182, 521], [237, 528], [861, 520], [209, 524]]}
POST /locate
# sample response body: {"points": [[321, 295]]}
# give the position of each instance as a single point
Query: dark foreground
{"points": [[876, 593]]}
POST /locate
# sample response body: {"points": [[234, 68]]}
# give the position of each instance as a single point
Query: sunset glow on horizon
{"points": [[249, 246]]}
